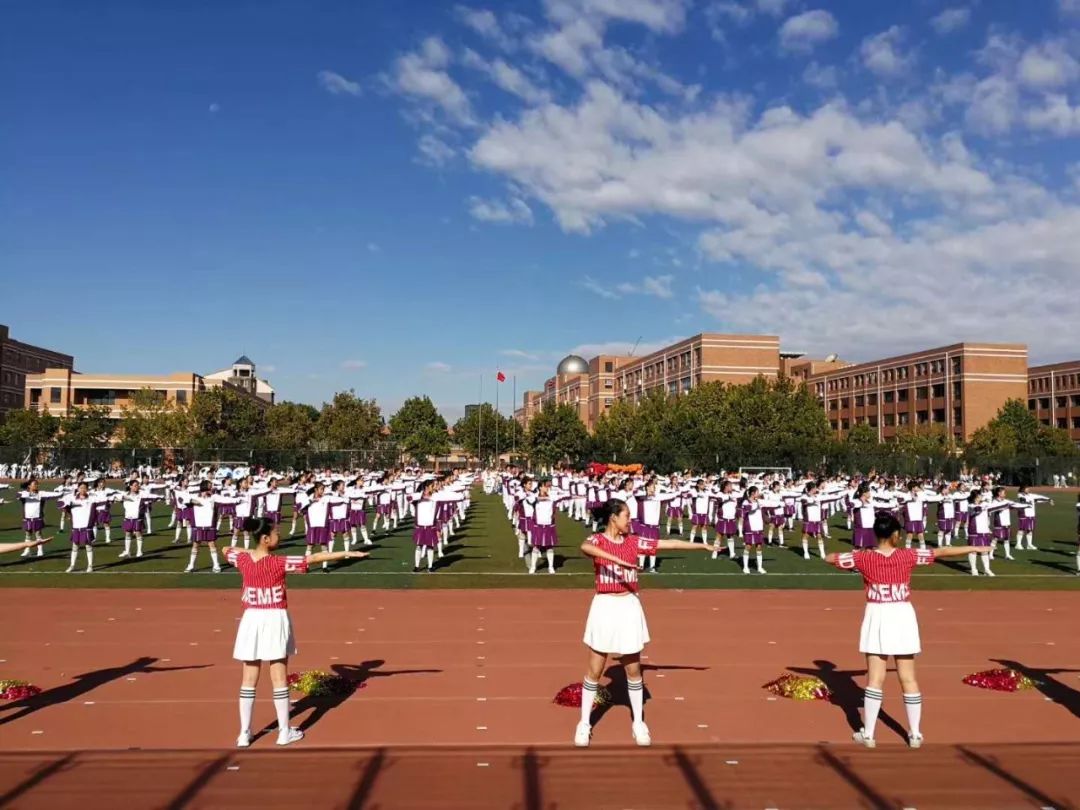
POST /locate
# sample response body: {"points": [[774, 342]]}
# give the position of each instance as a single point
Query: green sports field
{"points": [[484, 554]]}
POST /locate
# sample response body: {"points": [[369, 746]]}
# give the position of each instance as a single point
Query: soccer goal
{"points": [[749, 471], [224, 467]]}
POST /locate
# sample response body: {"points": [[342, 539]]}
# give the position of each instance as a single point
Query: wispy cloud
{"points": [[353, 365], [656, 286], [336, 84], [439, 367], [594, 286], [951, 19], [513, 211], [519, 354], [803, 32]]}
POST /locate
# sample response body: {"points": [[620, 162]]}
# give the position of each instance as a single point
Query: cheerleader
{"points": [[265, 634], [675, 506], [1026, 520], [204, 504], [81, 506], [616, 624], [384, 508], [863, 517], [132, 504], [914, 511], [979, 533], [544, 535], [652, 506], [228, 510], [425, 530], [303, 484], [67, 488], [700, 502], [357, 516], [727, 520], [813, 518], [889, 627], [751, 529], [946, 516], [246, 499], [338, 518], [316, 512], [1001, 519], [183, 512], [33, 500], [272, 500], [103, 509]]}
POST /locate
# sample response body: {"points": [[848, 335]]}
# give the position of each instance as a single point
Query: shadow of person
{"points": [[1058, 692], [620, 694], [82, 685], [357, 675], [847, 694]]}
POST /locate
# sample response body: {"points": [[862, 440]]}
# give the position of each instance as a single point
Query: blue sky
{"points": [[401, 197]]}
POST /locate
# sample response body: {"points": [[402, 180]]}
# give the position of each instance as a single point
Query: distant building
{"points": [[470, 410], [17, 360], [1054, 396], [242, 375]]}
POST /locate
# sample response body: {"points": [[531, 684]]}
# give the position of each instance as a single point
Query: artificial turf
{"points": [[483, 553]]}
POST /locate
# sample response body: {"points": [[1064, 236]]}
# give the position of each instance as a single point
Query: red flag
{"points": [[500, 377]]}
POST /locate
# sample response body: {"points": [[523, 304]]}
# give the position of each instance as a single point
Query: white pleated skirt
{"points": [[616, 624], [890, 628], [264, 635]]}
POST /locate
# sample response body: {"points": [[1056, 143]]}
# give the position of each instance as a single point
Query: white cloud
{"points": [[883, 53], [519, 354], [336, 84], [656, 286], [507, 77], [439, 367], [595, 287], [421, 75], [742, 12], [1055, 115], [486, 24], [951, 19], [353, 365], [823, 77], [434, 151], [268, 369], [513, 211], [624, 347], [993, 105], [1048, 65], [1069, 6], [803, 32]]}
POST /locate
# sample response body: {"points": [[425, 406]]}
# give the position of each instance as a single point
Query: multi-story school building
{"points": [[1054, 396], [959, 387], [17, 360]]}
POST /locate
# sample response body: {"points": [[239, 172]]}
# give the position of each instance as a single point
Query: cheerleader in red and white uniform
{"points": [[265, 634], [616, 624], [889, 627]]}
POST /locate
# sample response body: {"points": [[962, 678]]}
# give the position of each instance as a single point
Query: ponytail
{"points": [[258, 527], [607, 510]]}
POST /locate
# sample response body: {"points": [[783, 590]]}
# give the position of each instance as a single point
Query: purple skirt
{"points": [[33, 524], [524, 525], [273, 517], [945, 524], [1001, 532], [863, 537], [357, 517], [914, 526], [544, 536], [728, 528], [674, 512], [789, 509], [133, 525], [226, 509], [339, 525], [753, 538], [202, 535], [699, 519], [1026, 524], [102, 517], [384, 509], [426, 536], [187, 514], [82, 537], [778, 518], [318, 535], [812, 528], [980, 540], [649, 532]]}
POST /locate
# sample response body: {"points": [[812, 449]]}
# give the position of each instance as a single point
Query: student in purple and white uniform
{"points": [[103, 509], [132, 504], [338, 519], [67, 487], [700, 503], [979, 531], [33, 500], [425, 530], [303, 484], [1001, 520], [247, 497], [357, 515], [81, 506], [863, 517], [545, 537], [752, 529], [272, 500], [946, 516], [204, 506], [675, 504], [726, 506], [1026, 520], [316, 512], [182, 509], [813, 516], [652, 506], [913, 508]]}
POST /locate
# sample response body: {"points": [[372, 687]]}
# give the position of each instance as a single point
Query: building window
{"points": [[903, 420], [1062, 422], [181, 397], [1031, 404], [871, 399], [1044, 403], [844, 424], [609, 367], [832, 424], [890, 420], [939, 415], [860, 401], [889, 397], [939, 390], [1062, 402], [956, 365], [1076, 422], [921, 392], [845, 403], [1045, 422], [54, 396], [956, 390], [1076, 401], [922, 417], [873, 421], [902, 395], [957, 417]]}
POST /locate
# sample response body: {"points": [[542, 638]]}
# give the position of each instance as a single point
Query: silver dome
{"points": [[572, 364]]}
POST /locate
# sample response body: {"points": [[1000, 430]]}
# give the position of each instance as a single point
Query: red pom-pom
{"points": [[571, 696], [999, 680]]}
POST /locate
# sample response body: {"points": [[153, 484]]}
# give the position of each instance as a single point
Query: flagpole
{"points": [[513, 434], [496, 422], [480, 421]]}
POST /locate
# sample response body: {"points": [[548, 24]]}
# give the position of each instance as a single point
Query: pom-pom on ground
{"points": [[17, 690], [317, 683], [571, 696], [999, 680], [799, 687]]}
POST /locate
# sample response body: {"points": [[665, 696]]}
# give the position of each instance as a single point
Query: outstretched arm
{"points": [[334, 556], [959, 551], [6, 547], [682, 545]]}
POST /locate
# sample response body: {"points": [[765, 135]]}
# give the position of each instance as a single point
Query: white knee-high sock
{"points": [[913, 706], [821, 548], [534, 558], [1008, 552], [636, 690], [74, 555], [247, 708], [364, 534], [1077, 560], [247, 539], [281, 708], [746, 561], [176, 534], [973, 563], [89, 557], [108, 533], [352, 532], [430, 558], [986, 563], [194, 552], [731, 547], [760, 561], [214, 557], [551, 559], [588, 698], [806, 547], [871, 706], [417, 556], [138, 545], [127, 543]]}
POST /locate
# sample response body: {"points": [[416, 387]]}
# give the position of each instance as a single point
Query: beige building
{"points": [[17, 360], [241, 374], [1054, 396], [960, 387]]}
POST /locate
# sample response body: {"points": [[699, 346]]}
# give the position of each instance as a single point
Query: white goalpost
{"points": [[748, 471], [198, 466]]}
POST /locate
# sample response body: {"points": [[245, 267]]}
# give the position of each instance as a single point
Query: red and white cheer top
{"points": [[264, 580], [887, 577], [612, 578]]}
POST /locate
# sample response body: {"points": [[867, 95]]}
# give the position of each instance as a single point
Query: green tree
{"points": [[556, 435], [1015, 432], [615, 432], [27, 429], [482, 430], [85, 427], [151, 421], [419, 429], [349, 423], [290, 426], [862, 438], [223, 417]]}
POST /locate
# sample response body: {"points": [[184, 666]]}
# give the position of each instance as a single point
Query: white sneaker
{"points": [[291, 736], [761, 571], [122, 555], [746, 570], [641, 734], [26, 553], [244, 740], [189, 569], [89, 569], [989, 573], [217, 570], [861, 738], [70, 568], [582, 735], [974, 573], [806, 556], [915, 741]]}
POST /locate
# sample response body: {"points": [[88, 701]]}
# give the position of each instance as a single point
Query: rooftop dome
{"points": [[572, 364], [243, 360]]}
